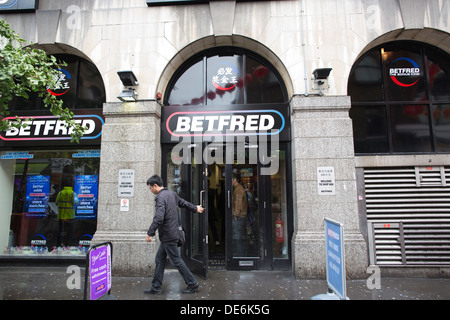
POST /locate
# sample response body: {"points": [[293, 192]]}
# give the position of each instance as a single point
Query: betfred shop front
{"points": [[226, 145], [49, 185]]}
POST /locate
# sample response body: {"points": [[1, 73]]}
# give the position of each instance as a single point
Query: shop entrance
{"points": [[224, 127], [245, 225]]}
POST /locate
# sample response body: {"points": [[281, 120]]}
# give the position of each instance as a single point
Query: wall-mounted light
{"points": [[322, 73], [128, 95], [321, 78], [128, 79]]}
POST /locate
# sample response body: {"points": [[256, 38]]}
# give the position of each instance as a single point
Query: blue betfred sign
{"points": [[18, 5], [334, 236]]}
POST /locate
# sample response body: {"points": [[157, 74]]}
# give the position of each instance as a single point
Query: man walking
{"points": [[166, 222]]}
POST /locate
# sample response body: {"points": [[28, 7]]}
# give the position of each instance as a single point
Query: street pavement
{"points": [[59, 283]]}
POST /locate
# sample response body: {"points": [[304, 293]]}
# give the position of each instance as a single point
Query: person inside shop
{"points": [[212, 213], [239, 212], [66, 202], [166, 221]]}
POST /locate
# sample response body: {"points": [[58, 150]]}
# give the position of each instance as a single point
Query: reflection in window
{"points": [[279, 209], [54, 210], [80, 86], [410, 123], [439, 80], [405, 75], [369, 129], [263, 85], [367, 81], [188, 89], [224, 80], [441, 117], [400, 96], [229, 78]]}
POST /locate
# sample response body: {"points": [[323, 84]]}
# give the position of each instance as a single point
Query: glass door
{"points": [[189, 180], [258, 232], [198, 224], [245, 213]]}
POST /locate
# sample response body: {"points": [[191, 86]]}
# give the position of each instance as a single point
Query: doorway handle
{"points": [[229, 199], [201, 197]]}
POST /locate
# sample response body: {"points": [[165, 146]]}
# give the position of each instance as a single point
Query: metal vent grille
{"points": [[408, 214]]}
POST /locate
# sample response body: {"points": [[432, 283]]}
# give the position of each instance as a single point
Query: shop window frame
{"points": [[204, 57], [430, 102]]}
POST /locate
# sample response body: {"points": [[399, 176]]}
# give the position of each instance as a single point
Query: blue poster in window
{"points": [[86, 187], [36, 202], [334, 236]]}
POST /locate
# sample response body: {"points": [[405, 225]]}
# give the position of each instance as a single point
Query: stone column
{"points": [[323, 137], [130, 140]]}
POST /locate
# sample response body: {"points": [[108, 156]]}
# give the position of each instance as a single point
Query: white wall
{"points": [[303, 34]]}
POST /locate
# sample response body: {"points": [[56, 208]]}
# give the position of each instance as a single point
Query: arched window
{"points": [[80, 87], [226, 77], [401, 100]]}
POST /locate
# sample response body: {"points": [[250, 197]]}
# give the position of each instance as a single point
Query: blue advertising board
{"points": [[334, 237], [37, 196], [86, 187]]}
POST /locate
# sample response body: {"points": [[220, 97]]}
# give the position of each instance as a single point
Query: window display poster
{"points": [[36, 203], [86, 187]]}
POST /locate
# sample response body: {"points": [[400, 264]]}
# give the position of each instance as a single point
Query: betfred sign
{"points": [[181, 122], [405, 72], [42, 130], [12, 6]]}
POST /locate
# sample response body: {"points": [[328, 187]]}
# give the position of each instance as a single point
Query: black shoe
{"points": [[153, 291], [191, 289]]}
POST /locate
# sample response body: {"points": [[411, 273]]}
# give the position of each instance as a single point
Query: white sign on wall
{"points": [[326, 184], [126, 183]]}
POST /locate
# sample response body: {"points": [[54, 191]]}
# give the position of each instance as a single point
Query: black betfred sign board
{"points": [[189, 122]]}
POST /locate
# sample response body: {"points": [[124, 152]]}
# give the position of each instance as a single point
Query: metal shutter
{"points": [[408, 215]]}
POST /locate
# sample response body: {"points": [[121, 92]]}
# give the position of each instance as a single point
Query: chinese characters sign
{"points": [[226, 77], [63, 84], [326, 184], [126, 183]]}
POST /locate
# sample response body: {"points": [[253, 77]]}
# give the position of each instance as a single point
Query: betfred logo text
{"points": [[404, 72], [213, 123], [51, 128]]}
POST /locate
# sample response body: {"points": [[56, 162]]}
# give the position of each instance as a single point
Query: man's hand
{"points": [[200, 209], [148, 238]]}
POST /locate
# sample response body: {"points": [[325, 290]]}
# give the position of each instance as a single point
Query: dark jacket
{"points": [[166, 215]]}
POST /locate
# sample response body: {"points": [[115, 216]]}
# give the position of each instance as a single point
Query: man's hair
{"points": [[155, 180]]}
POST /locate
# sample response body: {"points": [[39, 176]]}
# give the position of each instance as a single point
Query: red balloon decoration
{"points": [[260, 71]]}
